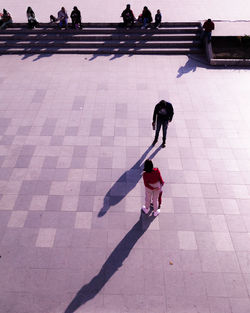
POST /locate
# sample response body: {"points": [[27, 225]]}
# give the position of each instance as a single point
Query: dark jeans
{"points": [[164, 125], [75, 22], [207, 35], [128, 22]]}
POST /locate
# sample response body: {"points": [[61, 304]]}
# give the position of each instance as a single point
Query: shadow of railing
{"points": [[112, 264]]}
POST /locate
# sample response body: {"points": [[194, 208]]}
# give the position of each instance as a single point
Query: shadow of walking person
{"points": [[112, 264], [125, 183]]}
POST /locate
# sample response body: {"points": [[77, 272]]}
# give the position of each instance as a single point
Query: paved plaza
{"points": [[75, 131]]}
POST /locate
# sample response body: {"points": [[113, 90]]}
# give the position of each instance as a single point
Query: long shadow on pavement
{"points": [[125, 183], [113, 263]]}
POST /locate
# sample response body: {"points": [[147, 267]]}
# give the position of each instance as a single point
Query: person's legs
{"points": [[5, 24], [157, 130], [148, 196], [124, 21], [159, 199], [164, 131], [145, 22], [155, 195], [209, 35]]}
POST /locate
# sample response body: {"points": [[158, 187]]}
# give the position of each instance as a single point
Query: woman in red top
{"points": [[153, 184]]}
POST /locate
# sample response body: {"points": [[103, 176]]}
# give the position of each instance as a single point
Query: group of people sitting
{"points": [[62, 18], [145, 18]]}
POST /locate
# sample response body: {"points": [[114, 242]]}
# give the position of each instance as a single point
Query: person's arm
{"points": [[171, 111], [154, 115], [150, 17], [160, 178], [133, 15]]}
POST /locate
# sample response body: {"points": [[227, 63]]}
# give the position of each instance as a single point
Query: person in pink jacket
{"points": [[153, 183]]}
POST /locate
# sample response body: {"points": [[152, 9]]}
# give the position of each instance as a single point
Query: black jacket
{"points": [[163, 111]]}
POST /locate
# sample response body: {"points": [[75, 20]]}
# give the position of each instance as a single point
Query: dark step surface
{"points": [[97, 44], [101, 31], [86, 37], [163, 51]]}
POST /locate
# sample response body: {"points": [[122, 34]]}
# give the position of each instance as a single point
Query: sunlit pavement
{"points": [[74, 133]]}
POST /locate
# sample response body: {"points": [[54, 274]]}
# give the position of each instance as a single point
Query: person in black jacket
{"points": [[146, 17], [76, 18], [128, 16], [157, 19], [163, 113]]}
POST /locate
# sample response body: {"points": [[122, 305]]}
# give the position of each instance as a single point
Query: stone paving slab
{"points": [[74, 133]]}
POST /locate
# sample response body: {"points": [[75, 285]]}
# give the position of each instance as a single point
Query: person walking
{"points": [[163, 114], [208, 26], [153, 183]]}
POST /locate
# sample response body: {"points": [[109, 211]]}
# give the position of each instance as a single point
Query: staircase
{"points": [[102, 38]]}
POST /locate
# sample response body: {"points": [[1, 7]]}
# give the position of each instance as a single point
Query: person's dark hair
{"points": [[5, 11], [29, 10], [128, 7], [209, 20], [75, 9], [148, 166]]}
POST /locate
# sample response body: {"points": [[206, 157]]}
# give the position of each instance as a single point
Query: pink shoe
{"points": [[157, 212], [145, 210]]}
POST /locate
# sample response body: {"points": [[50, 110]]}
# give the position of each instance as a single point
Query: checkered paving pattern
{"points": [[74, 133]]}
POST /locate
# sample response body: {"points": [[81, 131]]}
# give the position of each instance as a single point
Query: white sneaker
{"points": [[157, 212], [145, 210]]}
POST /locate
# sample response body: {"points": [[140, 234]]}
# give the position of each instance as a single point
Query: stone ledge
{"points": [[223, 62]]}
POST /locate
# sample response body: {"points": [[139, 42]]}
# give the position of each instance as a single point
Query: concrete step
{"points": [[104, 50], [99, 31], [99, 44]]}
